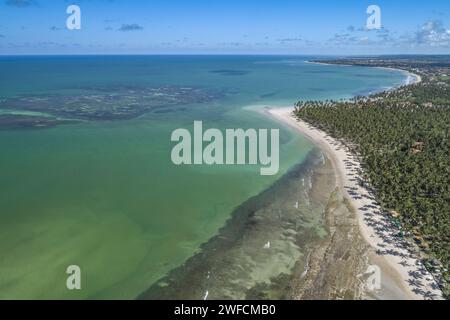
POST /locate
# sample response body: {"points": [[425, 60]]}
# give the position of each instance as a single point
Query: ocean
{"points": [[100, 191]]}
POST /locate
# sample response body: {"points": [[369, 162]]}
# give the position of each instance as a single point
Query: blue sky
{"points": [[224, 27]]}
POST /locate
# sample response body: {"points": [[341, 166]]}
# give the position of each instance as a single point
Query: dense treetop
{"points": [[402, 139]]}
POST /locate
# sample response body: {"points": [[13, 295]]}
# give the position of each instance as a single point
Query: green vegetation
{"points": [[402, 140]]}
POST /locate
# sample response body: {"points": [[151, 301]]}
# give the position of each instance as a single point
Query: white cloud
{"points": [[432, 33]]}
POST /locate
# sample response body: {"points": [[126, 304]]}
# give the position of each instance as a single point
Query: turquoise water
{"points": [[105, 195]]}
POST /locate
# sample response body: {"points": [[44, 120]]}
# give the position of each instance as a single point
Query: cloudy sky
{"points": [[224, 26]]}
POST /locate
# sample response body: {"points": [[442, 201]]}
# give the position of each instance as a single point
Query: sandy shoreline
{"points": [[392, 256], [411, 78]]}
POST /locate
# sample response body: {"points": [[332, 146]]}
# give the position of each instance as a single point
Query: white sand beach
{"points": [[393, 255], [411, 78]]}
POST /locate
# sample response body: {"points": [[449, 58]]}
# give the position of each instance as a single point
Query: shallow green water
{"points": [[105, 195]]}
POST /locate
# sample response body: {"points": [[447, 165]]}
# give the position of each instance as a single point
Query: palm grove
{"points": [[401, 138]]}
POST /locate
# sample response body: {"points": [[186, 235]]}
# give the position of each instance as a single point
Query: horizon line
{"points": [[222, 54]]}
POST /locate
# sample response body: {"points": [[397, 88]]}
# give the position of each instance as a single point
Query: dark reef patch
{"points": [[270, 94], [230, 72], [239, 262], [317, 89], [107, 103], [15, 121], [321, 71]]}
